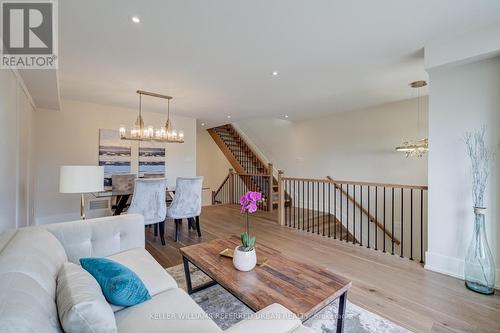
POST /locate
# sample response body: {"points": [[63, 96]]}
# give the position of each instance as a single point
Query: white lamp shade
{"points": [[81, 179]]}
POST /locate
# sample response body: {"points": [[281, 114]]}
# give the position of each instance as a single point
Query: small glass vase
{"points": [[479, 264]]}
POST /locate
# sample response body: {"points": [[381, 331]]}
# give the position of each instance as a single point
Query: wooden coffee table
{"points": [[302, 288]]}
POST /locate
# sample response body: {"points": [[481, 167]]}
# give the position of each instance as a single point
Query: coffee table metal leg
{"points": [[189, 284], [188, 275], [341, 313]]}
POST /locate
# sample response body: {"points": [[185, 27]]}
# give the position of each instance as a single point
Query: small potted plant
{"points": [[244, 258]]}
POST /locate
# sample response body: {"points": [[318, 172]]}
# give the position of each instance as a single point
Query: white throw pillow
{"points": [[81, 305]]}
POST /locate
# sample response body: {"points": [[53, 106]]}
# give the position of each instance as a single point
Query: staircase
{"points": [[239, 154], [246, 163]]}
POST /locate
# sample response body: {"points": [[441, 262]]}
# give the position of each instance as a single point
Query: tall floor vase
{"points": [[479, 264]]}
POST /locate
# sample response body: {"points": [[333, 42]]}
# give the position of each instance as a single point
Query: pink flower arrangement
{"points": [[249, 202]]}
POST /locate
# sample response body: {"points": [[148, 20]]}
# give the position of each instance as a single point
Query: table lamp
{"points": [[81, 179]]}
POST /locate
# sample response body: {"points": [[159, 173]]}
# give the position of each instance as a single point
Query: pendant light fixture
{"points": [[421, 146], [140, 132]]}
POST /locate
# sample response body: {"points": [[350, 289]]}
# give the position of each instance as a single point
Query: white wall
{"points": [[462, 98], [71, 136], [210, 161], [354, 145], [16, 114]]}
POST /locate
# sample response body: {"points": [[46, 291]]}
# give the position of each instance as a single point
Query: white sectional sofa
{"points": [[30, 259]]}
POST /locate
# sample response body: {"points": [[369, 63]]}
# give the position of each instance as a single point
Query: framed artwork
{"points": [[114, 154], [151, 158]]}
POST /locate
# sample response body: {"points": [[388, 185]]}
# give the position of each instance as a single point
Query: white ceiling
{"points": [[216, 56]]}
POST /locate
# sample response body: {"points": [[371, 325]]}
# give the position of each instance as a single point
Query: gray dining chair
{"points": [[186, 203], [149, 201]]}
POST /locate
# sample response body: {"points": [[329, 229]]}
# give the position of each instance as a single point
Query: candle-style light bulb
{"points": [[123, 131]]}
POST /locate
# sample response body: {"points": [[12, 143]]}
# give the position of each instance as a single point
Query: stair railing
{"points": [[230, 142], [390, 218], [236, 184]]}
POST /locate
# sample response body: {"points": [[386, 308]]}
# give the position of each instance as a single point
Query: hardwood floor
{"points": [[397, 289]]}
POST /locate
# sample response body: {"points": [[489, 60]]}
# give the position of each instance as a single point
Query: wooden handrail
{"points": [[261, 162], [251, 174], [350, 182], [371, 218], [225, 150], [221, 185], [248, 146]]}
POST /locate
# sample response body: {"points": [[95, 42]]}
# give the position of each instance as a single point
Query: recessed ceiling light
{"points": [[286, 116], [135, 19], [202, 124], [275, 73], [228, 116]]}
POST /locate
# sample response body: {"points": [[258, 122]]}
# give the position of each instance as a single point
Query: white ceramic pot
{"points": [[244, 260]]}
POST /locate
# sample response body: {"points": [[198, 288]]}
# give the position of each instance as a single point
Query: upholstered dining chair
{"points": [[149, 201], [186, 203]]}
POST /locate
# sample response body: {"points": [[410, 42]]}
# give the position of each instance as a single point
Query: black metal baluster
{"points": [[347, 213], [421, 226], [308, 204], [317, 229], [299, 205], [392, 222], [401, 244], [289, 191], [375, 223], [290, 205], [411, 224], [361, 216], [312, 221], [329, 210], [354, 214], [335, 211], [303, 206], [368, 246], [294, 201], [323, 208], [384, 219], [287, 207], [341, 215]]}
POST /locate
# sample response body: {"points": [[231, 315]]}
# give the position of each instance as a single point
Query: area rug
{"points": [[226, 310]]}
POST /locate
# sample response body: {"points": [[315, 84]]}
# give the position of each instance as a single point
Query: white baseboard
{"points": [[450, 266]]}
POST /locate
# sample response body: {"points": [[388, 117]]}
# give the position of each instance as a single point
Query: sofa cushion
{"points": [[99, 237], [119, 284], [147, 268], [81, 305], [25, 306], [35, 252], [30, 259], [172, 311]]}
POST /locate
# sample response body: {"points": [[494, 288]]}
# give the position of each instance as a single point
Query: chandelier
{"points": [[419, 147], [140, 132]]}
